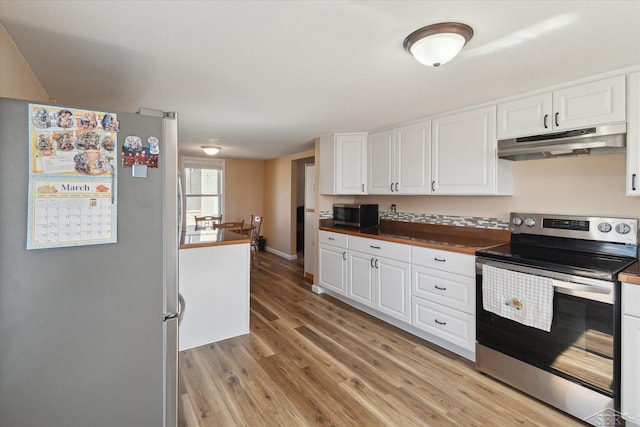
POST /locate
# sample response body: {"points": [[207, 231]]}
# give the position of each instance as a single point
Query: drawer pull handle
{"points": [[440, 323], [377, 263], [374, 247], [439, 260], [546, 116], [344, 255], [557, 124], [371, 262], [332, 238], [439, 288]]}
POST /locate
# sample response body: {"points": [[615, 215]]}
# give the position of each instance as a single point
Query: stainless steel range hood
{"points": [[593, 140]]}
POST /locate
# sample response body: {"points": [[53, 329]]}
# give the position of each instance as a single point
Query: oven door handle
{"points": [[581, 287]]}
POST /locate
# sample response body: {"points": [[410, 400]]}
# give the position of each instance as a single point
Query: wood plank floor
{"points": [[314, 361]]}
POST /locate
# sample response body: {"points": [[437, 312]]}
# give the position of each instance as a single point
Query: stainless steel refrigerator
{"points": [[89, 334]]}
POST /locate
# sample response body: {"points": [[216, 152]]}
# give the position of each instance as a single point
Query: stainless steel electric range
{"points": [[573, 361]]}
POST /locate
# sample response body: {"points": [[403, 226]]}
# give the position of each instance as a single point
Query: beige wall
{"points": [[280, 191], [16, 77], [588, 185], [243, 189]]}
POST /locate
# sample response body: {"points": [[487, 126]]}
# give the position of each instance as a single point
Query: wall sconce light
{"points": [[438, 44], [211, 151]]}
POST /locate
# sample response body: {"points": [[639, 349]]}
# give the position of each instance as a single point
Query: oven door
{"points": [[581, 346]]}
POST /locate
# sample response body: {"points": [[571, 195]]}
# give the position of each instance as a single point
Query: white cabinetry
{"points": [[380, 276], [589, 104], [332, 259], [633, 134], [399, 160], [443, 295], [630, 393], [343, 160], [463, 155]]}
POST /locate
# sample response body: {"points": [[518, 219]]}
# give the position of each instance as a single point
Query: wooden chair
{"points": [[256, 225], [230, 225], [208, 220]]}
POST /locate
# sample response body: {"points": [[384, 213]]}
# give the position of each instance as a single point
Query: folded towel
{"points": [[523, 298]]}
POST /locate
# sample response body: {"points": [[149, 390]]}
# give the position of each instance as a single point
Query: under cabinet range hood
{"points": [[593, 140]]}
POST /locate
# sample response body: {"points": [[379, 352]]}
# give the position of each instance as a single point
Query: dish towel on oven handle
{"points": [[523, 298]]}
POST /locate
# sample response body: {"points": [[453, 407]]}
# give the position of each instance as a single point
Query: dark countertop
{"points": [[631, 274], [203, 238], [447, 237]]}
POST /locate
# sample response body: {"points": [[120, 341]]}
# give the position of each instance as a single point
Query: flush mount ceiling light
{"points": [[211, 151], [438, 44]]}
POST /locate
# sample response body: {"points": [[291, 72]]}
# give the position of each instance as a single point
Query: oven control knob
{"points": [[623, 228], [604, 227], [529, 222], [517, 221]]}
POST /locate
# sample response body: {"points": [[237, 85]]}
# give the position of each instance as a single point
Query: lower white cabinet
{"points": [[393, 286], [376, 281], [430, 291], [444, 295], [630, 386], [332, 261], [360, 278]]}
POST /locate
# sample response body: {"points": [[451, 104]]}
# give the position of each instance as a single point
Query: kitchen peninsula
{"points": [[214, 281]]}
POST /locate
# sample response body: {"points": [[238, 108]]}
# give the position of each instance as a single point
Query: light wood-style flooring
{"points": [[314, 361]]}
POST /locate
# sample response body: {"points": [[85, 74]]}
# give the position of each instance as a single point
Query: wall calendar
{"points": [[72, 177]]}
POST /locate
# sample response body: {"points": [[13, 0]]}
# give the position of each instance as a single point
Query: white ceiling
{"points": [[267, 77]]}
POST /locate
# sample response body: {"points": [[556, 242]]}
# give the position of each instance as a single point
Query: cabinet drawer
{"points": [[450, 325], [452, 262], [451, 290], [631, 299], [334, 239], [397, 251]]}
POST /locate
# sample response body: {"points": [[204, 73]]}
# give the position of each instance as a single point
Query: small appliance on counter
{"points": [[357, 216]]}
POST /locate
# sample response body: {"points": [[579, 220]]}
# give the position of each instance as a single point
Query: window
{"points": [[203, 188]]}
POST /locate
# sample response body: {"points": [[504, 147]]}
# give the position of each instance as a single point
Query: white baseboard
{"points": [[317, 289], [281, 254]]}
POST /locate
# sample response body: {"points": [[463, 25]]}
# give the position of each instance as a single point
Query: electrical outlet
{"points": [[393, 208]]}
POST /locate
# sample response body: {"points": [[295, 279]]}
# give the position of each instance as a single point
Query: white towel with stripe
{"points": [[523, 298]]}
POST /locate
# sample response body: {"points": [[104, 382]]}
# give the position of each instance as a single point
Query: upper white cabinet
{"points": [[399, 160], [589, 104], [463, 155], [343, 160], [633, 134]]}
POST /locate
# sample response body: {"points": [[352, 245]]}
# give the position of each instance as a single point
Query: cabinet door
{"points": [[464, 159], [633, 134], [528, 116], [393, 285], [381, 159], [351, 157], [630, 386], [360, 278], [413, 158], [331, 263], [590, 104]]}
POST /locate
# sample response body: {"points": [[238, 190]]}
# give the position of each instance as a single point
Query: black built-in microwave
{"points": [[358, 216]]}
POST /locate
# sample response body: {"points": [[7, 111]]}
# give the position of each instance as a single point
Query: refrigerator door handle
{"points": [[183, 308]]}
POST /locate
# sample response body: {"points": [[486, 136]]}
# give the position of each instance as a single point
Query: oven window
{"points": [[579, 347]]}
